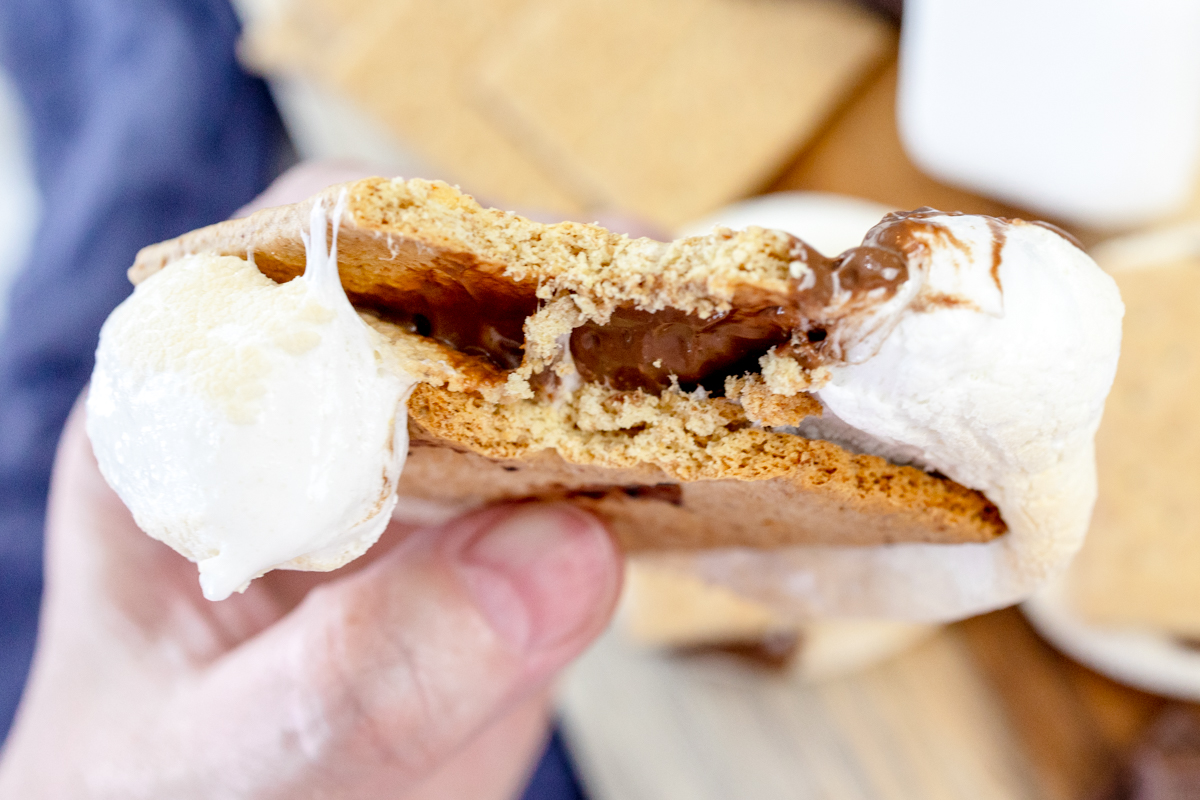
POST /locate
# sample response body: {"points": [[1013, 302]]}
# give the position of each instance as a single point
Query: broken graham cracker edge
{"points": [[393, 227], [673, 471]]}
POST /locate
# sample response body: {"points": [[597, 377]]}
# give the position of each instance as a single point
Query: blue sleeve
{"points": [[144, 127]]}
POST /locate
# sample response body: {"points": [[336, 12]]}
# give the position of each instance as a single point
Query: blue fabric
{"points": [[144, 127], [554, 778]]}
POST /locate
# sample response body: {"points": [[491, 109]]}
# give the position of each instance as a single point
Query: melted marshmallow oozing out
{"points": [[991, 366], [247, 424]]}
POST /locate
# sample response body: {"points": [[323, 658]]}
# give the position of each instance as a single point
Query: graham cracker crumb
{"points": [[767, 408], [786, 377]]}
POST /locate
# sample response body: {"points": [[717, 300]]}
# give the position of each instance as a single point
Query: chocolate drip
{"points": [[671, 493], [774, 652], [999, 237]]}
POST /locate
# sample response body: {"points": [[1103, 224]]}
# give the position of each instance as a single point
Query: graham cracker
{"points": [[672, 108], [1140, 565], [676, 473]]}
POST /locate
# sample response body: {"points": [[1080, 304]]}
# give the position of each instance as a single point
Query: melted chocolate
{"points": [[642, 349], [999, 237], [774, 652], [476, 319], [670, 493]]}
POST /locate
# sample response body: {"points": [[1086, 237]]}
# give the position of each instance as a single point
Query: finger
{"points": [[392, 670], [93, 544], [498, 762]]}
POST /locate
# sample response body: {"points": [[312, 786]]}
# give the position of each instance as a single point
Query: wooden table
{"points": [[983, 709]]}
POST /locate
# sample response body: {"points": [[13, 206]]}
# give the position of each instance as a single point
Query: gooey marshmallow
{"points": [[247, 424], [991, 366]]}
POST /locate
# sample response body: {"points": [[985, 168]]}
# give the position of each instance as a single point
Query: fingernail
{"points": [[541, 574]]}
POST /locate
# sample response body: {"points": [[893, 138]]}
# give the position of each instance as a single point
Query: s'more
{"points": [[901, 430]]}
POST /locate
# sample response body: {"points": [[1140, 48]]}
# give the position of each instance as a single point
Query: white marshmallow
{"points": [[1002, 392], [1082, 112], [247, 424]]}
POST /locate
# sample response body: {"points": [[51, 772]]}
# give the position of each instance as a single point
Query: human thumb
{"points": [[378, 678]]}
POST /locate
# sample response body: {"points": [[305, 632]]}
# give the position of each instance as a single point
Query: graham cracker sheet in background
{"points": [[663, 108], [409, 64], [1140, 565], [672, 108]]}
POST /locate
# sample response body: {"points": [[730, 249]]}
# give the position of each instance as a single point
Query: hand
{"points": [[419, 671]]}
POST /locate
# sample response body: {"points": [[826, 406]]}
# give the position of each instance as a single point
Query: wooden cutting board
{"points": [[983, 710]]}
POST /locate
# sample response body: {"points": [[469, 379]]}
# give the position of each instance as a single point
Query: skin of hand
{"points": [[422, 670]]}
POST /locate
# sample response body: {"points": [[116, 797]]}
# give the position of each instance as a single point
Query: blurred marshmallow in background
{"points": [[1085, 112], [18, 192]]}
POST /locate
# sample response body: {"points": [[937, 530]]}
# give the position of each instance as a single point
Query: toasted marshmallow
{"points": [[247, 424], [991, 366]]}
